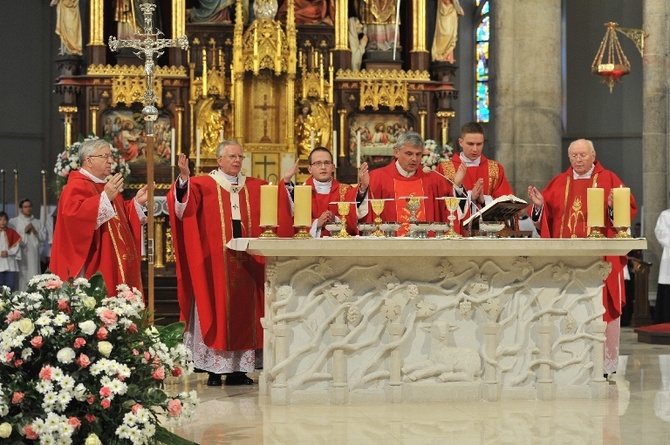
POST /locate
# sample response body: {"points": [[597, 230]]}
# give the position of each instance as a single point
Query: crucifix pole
{"points": [[149, 44]]}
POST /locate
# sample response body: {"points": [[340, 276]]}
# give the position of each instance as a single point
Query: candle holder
{"points": [[622, 233], [302, 233], [268, 232], [596, 232], [343, 210]]}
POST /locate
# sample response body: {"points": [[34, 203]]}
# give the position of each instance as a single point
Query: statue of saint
{"points": [[68, 26], [309, 11], [446, 30], [357, 42], [379, 17], [210, 11], [307, 132]]}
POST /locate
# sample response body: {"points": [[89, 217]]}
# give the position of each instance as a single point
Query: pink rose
{"points": [[45, 373], [74, 422], [13, 316], [174, 408], [90, 399], [90, 418], [64, 306], [108, 317], [18, 363], [136, 407], [105, 391], [102, 333], [17, 397], [128, 295], [133, 328], [37, 341], [176, 372], [105, 403], [79, 342], [30, 432], [9, 356], [83, 361], [136, 352], [159, 374], [69, 328], [53, 284]]}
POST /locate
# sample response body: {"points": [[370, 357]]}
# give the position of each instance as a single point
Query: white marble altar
{"points": [[367, 320]]}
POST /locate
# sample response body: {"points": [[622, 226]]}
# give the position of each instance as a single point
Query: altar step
{"points": [[166, 305], [657, 334]]}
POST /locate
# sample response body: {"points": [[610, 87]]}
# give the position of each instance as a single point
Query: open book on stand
{"points": [[503, 208]]}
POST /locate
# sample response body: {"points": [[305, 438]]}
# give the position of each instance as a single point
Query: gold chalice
{"points": [[413, 204], [343, 210], [452, 206], [377, 209]]}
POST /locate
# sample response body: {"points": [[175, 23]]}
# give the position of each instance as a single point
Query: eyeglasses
{"points": [[321, 164], [105, 156], [234, 157], [579, 155]]}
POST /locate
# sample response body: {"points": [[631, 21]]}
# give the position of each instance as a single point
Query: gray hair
{"points": [[89, 147], [409, 138], [592, 149], [225, 144]]}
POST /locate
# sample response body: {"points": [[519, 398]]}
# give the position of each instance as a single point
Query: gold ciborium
{"points": [[377, 209], [452, 206], [413, 204], [343, 210]]}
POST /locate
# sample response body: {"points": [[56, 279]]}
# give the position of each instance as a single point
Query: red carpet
{"points": [[658, 328]]}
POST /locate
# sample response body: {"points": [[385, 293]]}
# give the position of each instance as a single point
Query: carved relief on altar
{"points": [[367, 325]]}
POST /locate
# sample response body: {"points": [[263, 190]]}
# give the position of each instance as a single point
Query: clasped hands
{"points": [[477, 192]]}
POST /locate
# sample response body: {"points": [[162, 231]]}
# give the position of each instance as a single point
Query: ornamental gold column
{"points": [[96, 45], [444, 117], [341, 51], [419, 57], [67, 111]]}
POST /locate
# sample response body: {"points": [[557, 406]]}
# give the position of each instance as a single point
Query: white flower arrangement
{"points": [[68, 160], [78, 367], [433, 154]]}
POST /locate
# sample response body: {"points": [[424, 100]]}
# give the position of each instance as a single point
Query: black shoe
{"points": [[237, 379], [214, 379], [199, 371]]}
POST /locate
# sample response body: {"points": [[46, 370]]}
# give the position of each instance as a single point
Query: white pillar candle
{"points": [[172, 150], [595, 207], [269, 205], [197, 148], [335, 148], [302, 197], [621, 207], [221, 135], [358, 149], [311, 139]]}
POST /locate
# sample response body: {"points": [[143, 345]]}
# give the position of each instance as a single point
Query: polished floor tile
{"points": [[637, 412]]}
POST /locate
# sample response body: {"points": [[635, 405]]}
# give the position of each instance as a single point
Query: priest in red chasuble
{"points": [[405, 177], [96, 230], [560, 211], [220, 290], [327, 192], [484, 179]]}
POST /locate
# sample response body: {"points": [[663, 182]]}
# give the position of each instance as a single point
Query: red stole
{"points": [[405, 189], [338, 193], [13, 237]]}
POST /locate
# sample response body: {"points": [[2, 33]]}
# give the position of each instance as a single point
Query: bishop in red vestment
{"points": [[406, 178], [96, 230], [220, 291], [560, 211], [326, 193]]}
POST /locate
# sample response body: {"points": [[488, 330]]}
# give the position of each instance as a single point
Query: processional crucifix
{"points": [[149, 44]]}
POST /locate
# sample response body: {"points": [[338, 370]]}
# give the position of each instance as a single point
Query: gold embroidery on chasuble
{"points": [[343, 189], [449, 170], [403, 189], [493, 176], [574, 218]]}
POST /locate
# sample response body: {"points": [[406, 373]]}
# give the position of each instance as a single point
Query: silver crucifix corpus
{"points": [[148, 44]]}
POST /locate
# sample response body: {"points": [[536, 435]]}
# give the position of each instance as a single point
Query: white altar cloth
{"points": [[390, 320]]}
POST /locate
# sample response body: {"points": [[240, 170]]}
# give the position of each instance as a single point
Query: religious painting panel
{"points": [[265, 166], [125, 130], [372, 136]]}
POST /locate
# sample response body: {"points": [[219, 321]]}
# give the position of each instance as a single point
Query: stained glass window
{"points": [[482, 61]]}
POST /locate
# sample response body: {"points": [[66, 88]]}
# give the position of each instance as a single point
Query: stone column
{"points": [[526, 90], [655, 125]]}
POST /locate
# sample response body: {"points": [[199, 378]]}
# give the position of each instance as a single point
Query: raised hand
{"points": [[184, 170], [535, 196], [460, 175], [288, 174], [363, 177], [114, 186]]}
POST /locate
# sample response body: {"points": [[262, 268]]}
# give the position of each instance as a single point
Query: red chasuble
{"points": [[338, 193], [387, 182], [564, 216], [113, 249], [493, 174], [227, 285]]}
